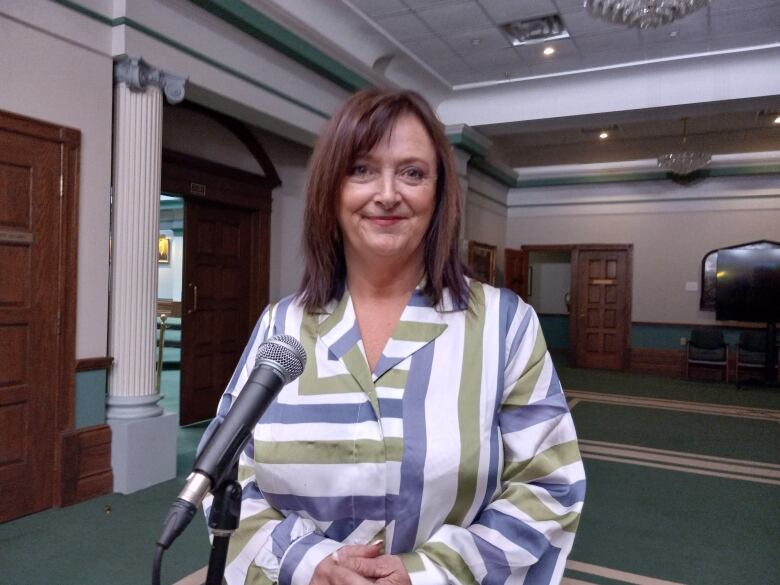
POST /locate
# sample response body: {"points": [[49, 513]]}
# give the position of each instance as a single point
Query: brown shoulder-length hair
{"points": [[354, 130]]}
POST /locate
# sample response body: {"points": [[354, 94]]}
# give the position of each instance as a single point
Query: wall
{"points": [[69, 83], [485, 216], [671, 230]]}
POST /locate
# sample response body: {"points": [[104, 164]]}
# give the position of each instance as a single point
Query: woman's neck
{"points": [[382, 278]]}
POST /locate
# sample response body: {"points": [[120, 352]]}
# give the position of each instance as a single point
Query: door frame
{"points": [[64, 368], [197, 179], [575, 249]]}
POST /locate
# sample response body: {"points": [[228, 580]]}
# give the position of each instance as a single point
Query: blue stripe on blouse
{"points": [[523, 417], [329, 509], [409, 501]]}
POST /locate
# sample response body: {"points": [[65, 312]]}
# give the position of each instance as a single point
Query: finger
{"points": [[340, 576], [359, 550], [371, 568]]}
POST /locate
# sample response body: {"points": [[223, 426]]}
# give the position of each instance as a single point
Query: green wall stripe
{"points": [[494, 172], [124, 21], [666, 200], [645, 176], [262, 28], [467, 144]]}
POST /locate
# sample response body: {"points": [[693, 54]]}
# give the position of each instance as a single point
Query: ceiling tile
{"points": [[455, 17], [624, 43], [673, 49], [489, 39], [424, 3], [430, 48], [581, 22], [694, 26], [497, 59], [567, 6], [503, 11], [745, 39], [744, 20], [728, 6], [380, 7], [404, 26]]}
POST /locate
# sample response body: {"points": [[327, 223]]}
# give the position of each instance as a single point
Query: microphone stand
{"points": [[223, 521]]}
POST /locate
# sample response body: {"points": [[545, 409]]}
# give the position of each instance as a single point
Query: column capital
{"points": [[138, 75]]}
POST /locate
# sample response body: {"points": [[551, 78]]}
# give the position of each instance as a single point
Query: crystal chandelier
{"points": [[686, 161], [643, 13]]}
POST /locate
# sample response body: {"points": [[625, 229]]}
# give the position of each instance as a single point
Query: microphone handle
{"points": [[223, 449]]}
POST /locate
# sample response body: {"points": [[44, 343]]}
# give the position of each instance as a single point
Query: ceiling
{"points": [[461, 43]]}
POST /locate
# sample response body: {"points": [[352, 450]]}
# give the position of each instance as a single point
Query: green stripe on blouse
{"points": [[524, 388], [523, 498], [417, 331], [444, 556], [247, 529], [329, 452], [469, 398], [542, 464]]}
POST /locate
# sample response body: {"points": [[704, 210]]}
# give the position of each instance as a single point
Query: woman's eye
{"points": [[413, 174], [358, 170]]}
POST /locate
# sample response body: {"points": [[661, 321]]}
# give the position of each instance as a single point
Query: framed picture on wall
{"points": [[164, 250], [482, 262]]}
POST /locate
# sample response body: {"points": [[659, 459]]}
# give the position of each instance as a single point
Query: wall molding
{"points": [[135, 25], [94, 363]]}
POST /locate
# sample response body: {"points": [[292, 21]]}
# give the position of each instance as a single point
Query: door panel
{"points": [[603, 311], [516, 271], [216, 320], [30, 204]]}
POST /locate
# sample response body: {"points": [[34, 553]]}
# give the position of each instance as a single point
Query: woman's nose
{"points": [[387, 189]]}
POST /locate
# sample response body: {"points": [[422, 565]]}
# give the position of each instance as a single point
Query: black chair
{"points": [[706, 347], [751, 351]]}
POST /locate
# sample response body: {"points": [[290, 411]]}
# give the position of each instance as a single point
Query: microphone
{"points": [[279, 361]]}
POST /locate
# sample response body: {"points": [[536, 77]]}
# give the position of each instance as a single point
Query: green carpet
{"points": [[658, 523], [680, 527], [720, 436]]}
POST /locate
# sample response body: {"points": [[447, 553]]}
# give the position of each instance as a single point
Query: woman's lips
{"points": [[385, 220]]}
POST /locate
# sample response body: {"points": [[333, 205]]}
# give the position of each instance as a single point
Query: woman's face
{"points": [[389, 195]]}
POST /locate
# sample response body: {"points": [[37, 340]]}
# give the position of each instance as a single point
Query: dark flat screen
{"points": [[748, 285]]}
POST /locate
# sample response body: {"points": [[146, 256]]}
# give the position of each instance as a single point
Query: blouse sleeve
{"points": [[527, 530], [267, 547]]}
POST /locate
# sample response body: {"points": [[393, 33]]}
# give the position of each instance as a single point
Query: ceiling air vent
{"points": [[535, 30]]}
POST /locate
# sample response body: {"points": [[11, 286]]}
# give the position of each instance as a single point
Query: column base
{"points": [[143, 451], [133, 407]]}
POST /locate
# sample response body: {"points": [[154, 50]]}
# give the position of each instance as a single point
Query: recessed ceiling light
{"points": [[777, 120], [549, 51], [674, 33], [604, 135], [475, 42]]}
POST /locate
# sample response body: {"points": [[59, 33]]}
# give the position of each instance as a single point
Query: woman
{"points": [[428, 439]]}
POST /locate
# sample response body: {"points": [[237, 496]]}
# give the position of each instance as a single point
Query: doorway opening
{"points": [[170, 266]]}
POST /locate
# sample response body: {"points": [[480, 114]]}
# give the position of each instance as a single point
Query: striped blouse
{"points": [[458, 450]]}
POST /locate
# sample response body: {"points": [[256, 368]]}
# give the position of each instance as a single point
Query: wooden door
{"points": [[216, 319], [603, 307], [31, 170], [516, 271]]}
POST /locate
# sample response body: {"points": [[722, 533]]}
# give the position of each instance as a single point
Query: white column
{"points": [[144, 438]]}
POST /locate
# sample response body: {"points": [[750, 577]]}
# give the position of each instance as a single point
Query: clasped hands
{"points": [[359, 564]]}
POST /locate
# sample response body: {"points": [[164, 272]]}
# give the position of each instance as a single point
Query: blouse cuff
{"points": [[302, 557], [422, 571]]}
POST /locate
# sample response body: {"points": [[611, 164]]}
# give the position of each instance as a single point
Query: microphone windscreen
{"points": [[286, 353]]}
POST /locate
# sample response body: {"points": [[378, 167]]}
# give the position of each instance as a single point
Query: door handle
{"points": [[194, 288]]}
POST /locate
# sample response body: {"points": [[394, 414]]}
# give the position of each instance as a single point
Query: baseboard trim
{"points": [[664, 362]]}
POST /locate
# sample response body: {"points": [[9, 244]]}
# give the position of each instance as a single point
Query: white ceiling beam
{"points": [[662, 84]]}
